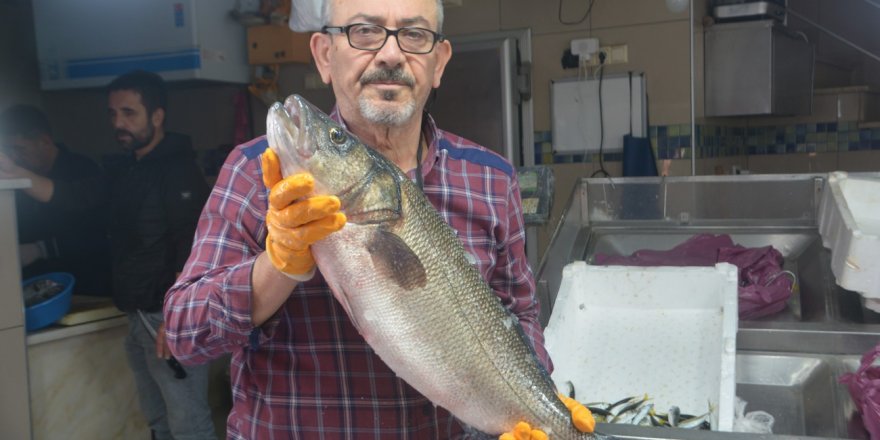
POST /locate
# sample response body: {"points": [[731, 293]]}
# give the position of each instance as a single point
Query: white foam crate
{"points": [[670, 332], [849, 223]]}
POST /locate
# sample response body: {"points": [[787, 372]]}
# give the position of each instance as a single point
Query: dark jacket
{"points": [[156, 203], [71, 226]]}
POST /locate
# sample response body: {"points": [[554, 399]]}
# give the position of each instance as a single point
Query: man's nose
{"points": [[390, 54]]}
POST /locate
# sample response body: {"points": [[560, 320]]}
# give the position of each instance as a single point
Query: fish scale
{"points": [[402, 275]]}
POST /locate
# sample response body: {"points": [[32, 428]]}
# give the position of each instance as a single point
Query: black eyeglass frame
{"points": [[438, 37]]}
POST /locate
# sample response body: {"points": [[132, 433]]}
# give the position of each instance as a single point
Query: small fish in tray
{"points": [[41, 290], [639, 410]]}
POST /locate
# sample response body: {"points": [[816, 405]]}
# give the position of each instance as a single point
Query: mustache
{"points": [[124, 132], [388, 75]]}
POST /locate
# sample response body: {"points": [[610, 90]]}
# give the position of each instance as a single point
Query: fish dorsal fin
{"points": [[378, 199], [396, 260]]}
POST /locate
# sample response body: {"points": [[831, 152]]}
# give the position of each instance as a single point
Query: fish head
{"points": [[307, 140]]}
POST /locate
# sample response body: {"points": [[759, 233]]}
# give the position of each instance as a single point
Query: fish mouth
{"points": [[287, 128]]}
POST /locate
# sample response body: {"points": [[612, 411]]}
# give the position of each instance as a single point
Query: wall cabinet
{"points": [[757, 68], [271, 44]]}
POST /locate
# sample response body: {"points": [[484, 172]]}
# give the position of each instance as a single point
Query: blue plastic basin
{"points": [[47, 312]]}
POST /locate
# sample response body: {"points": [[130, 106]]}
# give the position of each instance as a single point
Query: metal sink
{"points": [[801, 391], [817, 298], [621, 216]]}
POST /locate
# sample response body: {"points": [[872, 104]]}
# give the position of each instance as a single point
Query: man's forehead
{"points": [[385, 12], [14, 142], [126, 99], [14, 138]]}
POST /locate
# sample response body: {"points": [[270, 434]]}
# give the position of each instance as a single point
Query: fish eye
{"points": [[337, 136]]}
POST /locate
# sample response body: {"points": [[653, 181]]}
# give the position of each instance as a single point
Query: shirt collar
{"points": [[429, 131]]}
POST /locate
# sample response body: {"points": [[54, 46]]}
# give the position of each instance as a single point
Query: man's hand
{"points": [[9, 169], [295, 221], [41, 189], [524, 431], [162, 350], [581, 418], [29, 252]]}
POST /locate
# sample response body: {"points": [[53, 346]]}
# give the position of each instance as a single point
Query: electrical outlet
{"points": [[616, 54], [619, 54], [583, 47]]}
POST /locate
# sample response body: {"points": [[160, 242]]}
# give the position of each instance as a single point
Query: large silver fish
{"points": [[403, 277]]}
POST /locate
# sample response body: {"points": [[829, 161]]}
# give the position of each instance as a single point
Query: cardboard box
{"points": [[273, 44], [668, 332]]}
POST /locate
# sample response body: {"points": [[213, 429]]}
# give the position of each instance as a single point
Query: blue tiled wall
{"points": [[673, 141]]}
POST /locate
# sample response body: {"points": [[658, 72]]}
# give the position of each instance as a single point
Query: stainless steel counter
{"points": [[55, 333], [788, 364]]}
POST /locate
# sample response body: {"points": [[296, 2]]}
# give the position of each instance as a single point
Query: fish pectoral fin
{"points": [[396, 260], [346, 305]]}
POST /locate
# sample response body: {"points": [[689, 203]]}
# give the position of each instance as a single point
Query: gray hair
{"points": [[326, 14]]}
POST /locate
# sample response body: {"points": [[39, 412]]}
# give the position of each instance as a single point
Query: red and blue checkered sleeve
{"points": [[208, 310], [513, 276]]}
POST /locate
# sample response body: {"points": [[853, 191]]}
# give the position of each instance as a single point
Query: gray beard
{"points": [[387, 116]]}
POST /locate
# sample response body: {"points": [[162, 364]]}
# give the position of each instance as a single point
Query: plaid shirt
{"points": [[307, 373]]}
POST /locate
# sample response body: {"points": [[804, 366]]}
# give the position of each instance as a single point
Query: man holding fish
{"points": [[301, 366]]}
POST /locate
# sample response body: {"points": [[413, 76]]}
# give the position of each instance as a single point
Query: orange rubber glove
{"points": [[524, 431], [581, 417], [294, 220]]}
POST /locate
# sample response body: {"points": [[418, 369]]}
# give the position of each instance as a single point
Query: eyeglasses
{"points": [[372, 37]]}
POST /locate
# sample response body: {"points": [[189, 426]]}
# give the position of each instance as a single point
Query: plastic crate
{"points": [[668, 332]]}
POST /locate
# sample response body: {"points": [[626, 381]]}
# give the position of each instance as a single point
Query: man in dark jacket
{"points": [[59, 225], [156, 197]]}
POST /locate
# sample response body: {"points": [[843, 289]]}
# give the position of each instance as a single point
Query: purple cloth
{"points": [[864, 388], [763, 288]]}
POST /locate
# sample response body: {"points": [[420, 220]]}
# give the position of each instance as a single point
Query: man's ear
{"points": [[158, 117], [443, 54], [321, 46]]}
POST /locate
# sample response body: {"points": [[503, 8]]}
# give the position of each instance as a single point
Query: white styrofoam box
{"points": [[849, 223], [670, 332]]}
